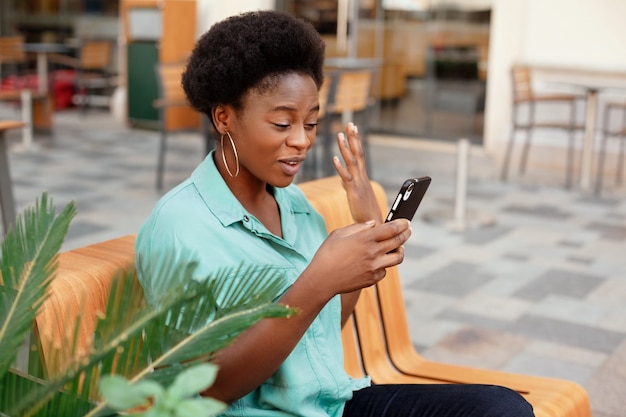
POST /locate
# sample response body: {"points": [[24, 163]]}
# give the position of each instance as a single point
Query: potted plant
{"points": [[141, 348]]}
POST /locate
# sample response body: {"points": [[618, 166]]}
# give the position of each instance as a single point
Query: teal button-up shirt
{"points": [[201, 219]]}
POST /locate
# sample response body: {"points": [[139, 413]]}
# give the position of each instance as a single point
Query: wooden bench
{"points": [[376, 340]]}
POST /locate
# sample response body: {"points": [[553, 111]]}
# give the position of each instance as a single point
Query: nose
{"points": [[302, 138]]}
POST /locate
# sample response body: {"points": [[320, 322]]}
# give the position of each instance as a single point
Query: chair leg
{"points": [[161, 159], [327, 141], [620, 161], [525, 149], [529, 132], [570, 159], [368, 157], [81, 100], [507, 156], [364, 132], [601, 155]]}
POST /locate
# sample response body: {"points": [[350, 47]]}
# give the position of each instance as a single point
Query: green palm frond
{"points": [[27, 267], [144, 343]]}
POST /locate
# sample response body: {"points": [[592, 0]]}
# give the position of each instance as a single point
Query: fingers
{"points": [[351, 150], [356, 256], [355, 228], [393, 235], [389, 237]]}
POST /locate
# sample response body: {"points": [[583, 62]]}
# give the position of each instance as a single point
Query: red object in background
{"points": [[63, 88], [61, 81], [12, 82]]}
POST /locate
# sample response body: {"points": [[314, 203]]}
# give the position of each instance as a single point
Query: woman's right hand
{"points": [[356, 256], [350, 258]]}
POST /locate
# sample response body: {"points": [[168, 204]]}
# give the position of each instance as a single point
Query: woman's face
{"points": [[276, 128]]}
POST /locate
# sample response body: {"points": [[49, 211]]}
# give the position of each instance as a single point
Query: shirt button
{"points": [[246, 218]]}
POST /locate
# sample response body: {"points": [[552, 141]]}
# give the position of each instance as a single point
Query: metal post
{"points": [[460, 200], [27, 118], [458, 218]]}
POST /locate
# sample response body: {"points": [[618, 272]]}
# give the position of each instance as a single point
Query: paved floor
{"points": [[535, 283]]}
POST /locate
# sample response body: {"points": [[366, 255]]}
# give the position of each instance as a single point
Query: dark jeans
{"points": [[445, 400]]}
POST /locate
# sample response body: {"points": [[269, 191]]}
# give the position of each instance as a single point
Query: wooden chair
{"points": [[524, 95], [349, 96], [13, 58], [35, 107], [617, 108], [175, 113], [376, 340], [94, 77]]}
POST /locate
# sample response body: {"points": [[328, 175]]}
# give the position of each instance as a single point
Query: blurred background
{"points": [[516, 108]]}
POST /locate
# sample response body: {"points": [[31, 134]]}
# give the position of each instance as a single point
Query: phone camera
{"points": [[408, 191]]}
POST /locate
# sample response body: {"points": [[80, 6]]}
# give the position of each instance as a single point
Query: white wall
{"points": [[585, 34], [212, 11]]}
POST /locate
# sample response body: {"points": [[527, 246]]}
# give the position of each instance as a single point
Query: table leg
{"points": [[587, 154], [42, 72], [27, 118], [7, 203]]}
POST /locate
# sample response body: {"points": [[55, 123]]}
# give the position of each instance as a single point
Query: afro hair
{"points": [[239, 52]]}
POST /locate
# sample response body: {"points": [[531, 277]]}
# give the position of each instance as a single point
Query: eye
{"points": [[310, 126], [282, 126]]}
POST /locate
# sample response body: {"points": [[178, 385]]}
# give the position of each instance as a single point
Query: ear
{"points": [[221, 118]]}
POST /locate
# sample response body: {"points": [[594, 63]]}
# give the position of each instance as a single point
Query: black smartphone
{"points": [[408, 199]]}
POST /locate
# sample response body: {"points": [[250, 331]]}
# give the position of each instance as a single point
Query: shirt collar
{"points": [[223, 203]]}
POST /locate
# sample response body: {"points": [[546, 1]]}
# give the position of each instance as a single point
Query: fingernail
{"points": [[356, 130], [342, 137]]}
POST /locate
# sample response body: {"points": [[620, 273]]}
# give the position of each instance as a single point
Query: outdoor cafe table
{"points": [[592, 81], [42, 50], [7, 203]]}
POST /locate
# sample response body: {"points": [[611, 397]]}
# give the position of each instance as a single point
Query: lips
{"points": [[291, 166]]}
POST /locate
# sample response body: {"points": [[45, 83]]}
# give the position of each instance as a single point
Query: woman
{"points": [[257, 77]]}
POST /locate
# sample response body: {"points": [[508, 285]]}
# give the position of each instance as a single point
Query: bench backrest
{"points": [[80, 289]]}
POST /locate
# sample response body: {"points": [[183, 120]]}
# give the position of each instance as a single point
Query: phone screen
{"points": [[408, 199]]}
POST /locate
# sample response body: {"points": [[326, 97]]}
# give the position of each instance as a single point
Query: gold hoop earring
{"points": [[232, 143]]}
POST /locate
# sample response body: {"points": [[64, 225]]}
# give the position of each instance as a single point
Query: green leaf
{"points": [[120, 394], [193, 380], [149, 388], [27, 266], [199, 407], [154, 412]]}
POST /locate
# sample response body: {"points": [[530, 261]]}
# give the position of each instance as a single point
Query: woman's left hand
{"points": [[354, 178]]}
